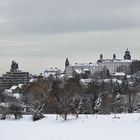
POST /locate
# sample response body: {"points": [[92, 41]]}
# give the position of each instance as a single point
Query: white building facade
{"points": [[113, 65]]}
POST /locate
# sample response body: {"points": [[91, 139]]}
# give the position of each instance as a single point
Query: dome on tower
{"points": [[114, 56], [127, 55], [101, 58]]}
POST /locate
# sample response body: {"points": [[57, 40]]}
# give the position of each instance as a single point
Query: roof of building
{"points": [[115, 60], [78, 71], [13, 87], [113, 80], [118, 74], [84, 64], [51, 71]]}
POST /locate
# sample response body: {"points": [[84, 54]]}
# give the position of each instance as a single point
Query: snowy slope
{"points": [[87, 127]]}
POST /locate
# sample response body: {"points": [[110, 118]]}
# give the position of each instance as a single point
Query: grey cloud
{"points": [[45, 32], [57, 16]]}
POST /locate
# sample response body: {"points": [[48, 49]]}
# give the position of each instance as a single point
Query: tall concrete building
{"points": [[14, 77]]}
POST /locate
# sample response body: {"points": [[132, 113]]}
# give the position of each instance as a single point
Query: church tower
{"points": [[114, 56], [66, 62], [127, 55], [101, 57]]}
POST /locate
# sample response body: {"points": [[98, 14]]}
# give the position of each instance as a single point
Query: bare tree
{"points": [[67, 98], [37, 112]]}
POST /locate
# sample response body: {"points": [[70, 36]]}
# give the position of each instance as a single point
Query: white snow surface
{"points": [[86, 127]]}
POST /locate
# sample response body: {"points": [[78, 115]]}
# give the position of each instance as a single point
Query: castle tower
{"points": [[127, 55], [114, 56], [101, 57]]}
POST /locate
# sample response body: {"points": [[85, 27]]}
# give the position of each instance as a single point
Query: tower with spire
{"points": [[127, 55], [66, 62]]}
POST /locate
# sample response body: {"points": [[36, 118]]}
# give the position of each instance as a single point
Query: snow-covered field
{"points": [[86, 127]]}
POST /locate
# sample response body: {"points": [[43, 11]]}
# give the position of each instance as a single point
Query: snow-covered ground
{"points": [[86, 127]]}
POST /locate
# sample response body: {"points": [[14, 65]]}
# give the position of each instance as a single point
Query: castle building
{"points": [[116, 65], [14, 77], [80, 68], [113, 65]]}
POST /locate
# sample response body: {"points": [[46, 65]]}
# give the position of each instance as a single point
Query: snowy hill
{"points": [[86, 127]]}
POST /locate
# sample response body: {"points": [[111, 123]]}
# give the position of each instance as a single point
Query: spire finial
{"points": [[127, 50]]}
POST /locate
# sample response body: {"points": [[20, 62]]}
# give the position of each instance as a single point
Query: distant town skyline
{"points": [[40, 34]]}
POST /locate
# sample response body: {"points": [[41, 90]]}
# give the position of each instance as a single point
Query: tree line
{"points": [[69, 96]]}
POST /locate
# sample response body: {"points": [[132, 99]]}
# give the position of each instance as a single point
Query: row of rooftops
{"points": [[127, 59], [52, 70], [98, 62], [114, 60], [85, 64]]}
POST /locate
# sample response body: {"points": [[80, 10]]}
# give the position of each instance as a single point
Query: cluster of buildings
{"points": [[115, 66], [55, 72]]}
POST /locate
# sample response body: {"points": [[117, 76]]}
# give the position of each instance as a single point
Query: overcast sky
{"points": [[40, 34]]}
